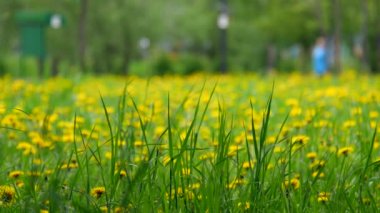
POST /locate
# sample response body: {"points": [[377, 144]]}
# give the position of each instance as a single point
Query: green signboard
{"points": [[33, 41], [32, 27]]}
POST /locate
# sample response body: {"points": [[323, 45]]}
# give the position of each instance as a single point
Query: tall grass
{"points": [[190, 155]]}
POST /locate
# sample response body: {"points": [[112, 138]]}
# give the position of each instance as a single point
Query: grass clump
{"points": [[190, 148]]}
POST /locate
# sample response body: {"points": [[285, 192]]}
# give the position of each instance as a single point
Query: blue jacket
{"points": [[320, 63]]}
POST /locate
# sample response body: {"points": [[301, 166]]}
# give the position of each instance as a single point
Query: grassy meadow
{"points": [[231, 143]]}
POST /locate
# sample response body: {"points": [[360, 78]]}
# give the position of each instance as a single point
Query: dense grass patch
{"points": [[199, 143]]}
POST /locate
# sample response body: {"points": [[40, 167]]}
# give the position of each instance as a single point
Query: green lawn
{"points": [[232, 143]]}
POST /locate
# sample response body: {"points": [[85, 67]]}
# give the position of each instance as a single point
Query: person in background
{"points": [[319, 57]]}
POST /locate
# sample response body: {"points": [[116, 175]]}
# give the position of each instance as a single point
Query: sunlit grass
{"points": [[200, 143]]}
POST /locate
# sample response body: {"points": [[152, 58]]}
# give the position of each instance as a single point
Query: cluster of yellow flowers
{"points": [[329, 121]]}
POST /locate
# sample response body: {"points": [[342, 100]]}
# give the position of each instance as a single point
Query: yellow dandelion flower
{"points": [[86, 133], [207, 155], [7, 196], [373, 114], [179, 192], [356, 111], [373, 124], [345, 151], [366, 201], [319, 174], [311, 155], [310, 113], [317, 164], [15, 174], [235, 183], [121, 143], [182, 135], [159, 130], [123, 173], [12, 136], [48, 172], [321, 123], [163, 147], [186, 172], [166, 160], [27, 148], [19, 183], [108, 155], [245, 205], [297, 176], [39, 141], [104, 209], [233, 149], [189, 195], [299, 124], [278, 149], [72, 165], [291, 102], [282, 161], [3, 109], [295, 111], [239, 139], [80, 120], [294, 183], [37, 161], [138, 159], [67, 137], [195, 186], [270, 166], [270, 140], [349, 124], [33, 173], [138, 143], [97, 192], [323, 197], [247, 164], [119, 210], [250, 138], [300, 140]]}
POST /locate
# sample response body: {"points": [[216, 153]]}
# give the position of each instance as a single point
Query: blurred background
{"points": [[156, 37]]}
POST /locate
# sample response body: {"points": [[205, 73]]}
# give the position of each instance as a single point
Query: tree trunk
{"points": [[223, 40], [55, 66], [318, 11], [337, 34], [364, 34], [41, 66], [223, 51], [125, 65], [127, 47], [271, 57], [377, 37], [82, 33]]}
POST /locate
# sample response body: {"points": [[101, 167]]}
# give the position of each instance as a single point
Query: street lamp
{"points": [[144, 44], [56, 21], [223, 22]]}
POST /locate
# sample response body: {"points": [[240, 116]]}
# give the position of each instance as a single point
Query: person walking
{"points": [[319, 57]]}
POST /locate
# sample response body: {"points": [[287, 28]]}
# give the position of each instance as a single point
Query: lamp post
{"points": [[223, 22]]}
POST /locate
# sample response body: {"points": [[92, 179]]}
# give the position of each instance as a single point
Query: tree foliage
{"points": [[174, 28]]}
